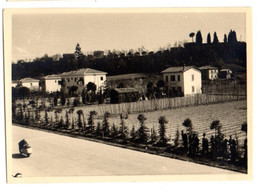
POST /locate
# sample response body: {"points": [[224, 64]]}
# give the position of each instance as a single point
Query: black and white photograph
{"points": [[128, 93]]}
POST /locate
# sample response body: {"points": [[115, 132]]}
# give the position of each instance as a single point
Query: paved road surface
{"points": [[57, 155]]}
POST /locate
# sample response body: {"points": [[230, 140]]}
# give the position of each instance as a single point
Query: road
{"points": [[56, 155]]}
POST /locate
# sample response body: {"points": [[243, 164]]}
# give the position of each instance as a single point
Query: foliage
{"points": [[162, 130], [91, 120], [80, 113], [199, 39], [209, 38], [215, 38], [188, 124], [244, 127], [217, 126], [142, 131], [91, 87], [106, 124]]}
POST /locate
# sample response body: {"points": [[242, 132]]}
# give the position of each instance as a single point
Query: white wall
{"points": [[87, 78], [96, 79], [175, 83], [31, 85], [52, 85], [188, 83]]}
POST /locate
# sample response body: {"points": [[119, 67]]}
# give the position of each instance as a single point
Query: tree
{"points": [[23, 92], [106, 124], [192, 34], [142, 132], [162, 131], [79, 113], [232, 37], [121, 85], [188, 124], [67, 122], [199, 39], [244, 127], [150, 90], [78, 54], [124, 132], [209, 38], [217, 126], [91, 120], [225, 40], [63, 99], [215, 38], [46, 117], [91, 87]]}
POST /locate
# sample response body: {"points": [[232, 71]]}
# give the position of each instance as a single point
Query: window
{"points": [[71, 78], [75, 79], [193, 89], [193, 77], [68, 79], [167, 78], [55, 81], [101, 78], [178, 77], [172, 78], [30, 84]]}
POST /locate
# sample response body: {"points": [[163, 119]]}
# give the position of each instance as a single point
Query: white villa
{"points": [[32, 84], [80, 78], [183, 79], [51, 83], [209, 72]]}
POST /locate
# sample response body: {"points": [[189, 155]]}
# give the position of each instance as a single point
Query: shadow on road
{"points": [[18, 155]]}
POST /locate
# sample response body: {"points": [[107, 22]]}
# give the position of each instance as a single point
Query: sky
{"points": [[34, 35]]}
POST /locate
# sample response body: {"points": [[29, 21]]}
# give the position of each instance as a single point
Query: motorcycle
{"points": [[24, 148]]}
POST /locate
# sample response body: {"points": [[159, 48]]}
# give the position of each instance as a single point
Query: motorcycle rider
{"points": [[23, 143]]}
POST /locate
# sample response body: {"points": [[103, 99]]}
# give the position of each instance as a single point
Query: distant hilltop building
{"points": [[182, 80], [209, 72]]}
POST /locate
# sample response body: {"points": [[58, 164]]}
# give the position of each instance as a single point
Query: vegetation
{"points": [[141, 61]]}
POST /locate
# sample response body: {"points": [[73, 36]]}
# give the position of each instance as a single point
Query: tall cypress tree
{"points": [[199, 39], [209, 38], [215, 38], [225, 38]]}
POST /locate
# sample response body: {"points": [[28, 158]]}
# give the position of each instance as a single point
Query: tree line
{"points": [[230, 51]]}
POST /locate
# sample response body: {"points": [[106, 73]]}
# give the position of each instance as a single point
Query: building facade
{"points": [[51, 83], [183, 80], [209, 72], [225, 74], [32, 84], [76, 81]]}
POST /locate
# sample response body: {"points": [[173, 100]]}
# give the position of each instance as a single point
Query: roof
{"points": [[177, 69], [126, 90], [208, 67], [53, 76], [226, 70], [82, 72], [28, 80]]}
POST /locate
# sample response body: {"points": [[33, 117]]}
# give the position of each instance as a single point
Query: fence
{"points": [[162, 104]]}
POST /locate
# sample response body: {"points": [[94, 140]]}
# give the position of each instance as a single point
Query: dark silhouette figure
{"points": [[245, 152], [184, 138], [213, 148], [205, 146], [225, 148], [22, 143], [232, 144], [196, 144]]}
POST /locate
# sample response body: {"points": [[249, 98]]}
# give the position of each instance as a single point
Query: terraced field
{"points": [[230, 114]]}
